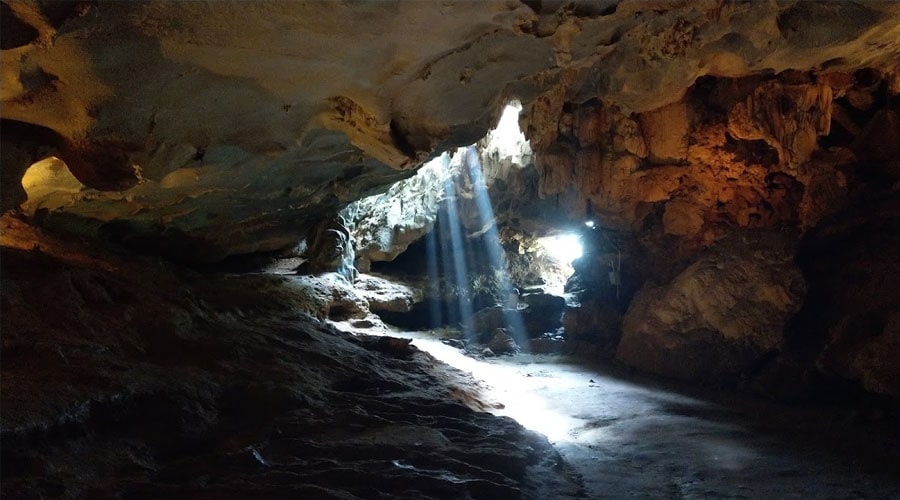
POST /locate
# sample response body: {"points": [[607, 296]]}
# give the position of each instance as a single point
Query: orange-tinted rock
{"points": [[682, 218], [556, 170], [788, 117], [826, 188], [666, 132]]}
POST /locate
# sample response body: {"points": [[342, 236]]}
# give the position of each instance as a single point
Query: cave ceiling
{"points": [[208, 129]]}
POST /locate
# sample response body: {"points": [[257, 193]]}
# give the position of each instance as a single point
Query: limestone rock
{"points": [[543, 312], [879, 144], [330, 249], [594, 323], [682, 218], [502, 343], [211, 129], [330, 296], [859, 350], [666, 131], [849, 323], [385, 225], [788, 117], [174, 361], [826, 186], [547, 345], [384, 295], [717, 318], [487, 321]]}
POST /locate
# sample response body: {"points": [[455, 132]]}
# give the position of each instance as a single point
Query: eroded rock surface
{"points": [[720, 316], [201, 131], [183, 119], [124, 377], [848, 326]]}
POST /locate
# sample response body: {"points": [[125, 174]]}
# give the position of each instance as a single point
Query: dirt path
{"points": [[630, 438]]}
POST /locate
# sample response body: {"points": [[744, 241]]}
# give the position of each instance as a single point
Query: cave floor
{"points": [[632, 436]]}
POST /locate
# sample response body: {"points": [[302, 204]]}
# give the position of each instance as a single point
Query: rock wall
{"points": [[848, 326], [733, 159], [203, 130], [384, 225], [731, 153]]}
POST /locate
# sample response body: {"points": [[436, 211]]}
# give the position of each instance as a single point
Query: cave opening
{"points": [[493, 286]]}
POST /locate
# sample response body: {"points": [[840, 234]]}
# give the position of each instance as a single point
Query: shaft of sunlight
{"points": [[458, 255], [434, 292], [514, 323]]}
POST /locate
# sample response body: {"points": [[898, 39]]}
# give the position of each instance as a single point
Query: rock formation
{"points": [[184, 119], [738, 164], [718, 318]]}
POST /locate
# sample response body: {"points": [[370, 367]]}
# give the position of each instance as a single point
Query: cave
{"points": [[537, 249]]}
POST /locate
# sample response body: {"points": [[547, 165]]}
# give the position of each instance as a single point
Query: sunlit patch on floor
{"points": [[514, 387]]}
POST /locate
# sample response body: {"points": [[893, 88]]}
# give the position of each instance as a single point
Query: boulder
{"points": [[542, 312], [547, 345], [502, 343], [330, 296], [719, 317], [592, 322], [487, 321], [387, 296]]}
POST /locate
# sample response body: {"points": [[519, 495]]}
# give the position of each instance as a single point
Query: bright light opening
{"points": [[508, 126], [589, 223], [507, 140], [564, 248]]}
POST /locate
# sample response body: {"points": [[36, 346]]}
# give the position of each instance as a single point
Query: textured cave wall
{"points": [[756, 160], [384, 225], [205, 130], [126, 376]]}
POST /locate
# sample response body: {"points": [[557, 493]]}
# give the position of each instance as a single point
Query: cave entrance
{"points": [[470, 234], [560, 250], [468, 277]]}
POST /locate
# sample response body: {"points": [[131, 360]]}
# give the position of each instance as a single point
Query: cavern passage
{"points": [[656, 243]]}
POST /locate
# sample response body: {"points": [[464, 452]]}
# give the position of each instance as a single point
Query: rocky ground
{"points": [[124, 377], [628, 434], [636, 436]]}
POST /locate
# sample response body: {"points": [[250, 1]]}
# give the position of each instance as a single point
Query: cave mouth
{"points": [[452, 233], [562, 249]]}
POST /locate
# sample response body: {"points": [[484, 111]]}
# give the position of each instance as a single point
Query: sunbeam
{"points": [[458, 254], [434, 304], [514, 324]]}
